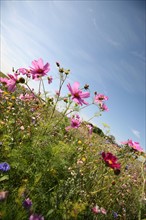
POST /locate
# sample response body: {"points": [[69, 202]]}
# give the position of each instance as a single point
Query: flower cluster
{"points": [[96, 210], [37, 71], [99, 99], [134, 145]]}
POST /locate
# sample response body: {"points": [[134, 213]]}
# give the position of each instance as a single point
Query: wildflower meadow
{"points": [[56, 166]]}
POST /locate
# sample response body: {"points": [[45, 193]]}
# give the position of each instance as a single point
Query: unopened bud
{"points": [[61, 70], [117, 171], [21, 80], [57, 64], [65, 100], [67, 72], [86, 86]]}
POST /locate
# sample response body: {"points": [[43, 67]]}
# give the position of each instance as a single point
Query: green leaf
{"points": [[4, 178], [50, 212]]}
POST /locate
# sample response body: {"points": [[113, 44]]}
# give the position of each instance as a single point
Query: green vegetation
{"points": [[62, 171]]}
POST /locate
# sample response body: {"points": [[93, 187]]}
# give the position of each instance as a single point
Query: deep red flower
{"points": [[111, 160]]}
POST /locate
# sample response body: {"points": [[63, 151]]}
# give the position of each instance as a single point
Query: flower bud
{"points": [[21, 80], [67, 72], [61, 70], [86, 86], [57, 64]]}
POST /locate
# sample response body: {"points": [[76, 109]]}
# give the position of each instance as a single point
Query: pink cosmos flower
{"points": [[10, 82], [77, 94], [26, 97], [75, 122], [135, 145], [103, 211], [96, 209], [50, 78], [103, 107], [111, 160], [90, 128], [39, 69], [99, 98], [25, 72]]}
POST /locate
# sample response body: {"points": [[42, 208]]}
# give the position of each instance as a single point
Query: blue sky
{"points": [[102, 42]]}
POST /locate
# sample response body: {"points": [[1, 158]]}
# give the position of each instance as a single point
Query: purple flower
{"points": [[36, 217], [4, 167], [115, 214], [27, 203]]}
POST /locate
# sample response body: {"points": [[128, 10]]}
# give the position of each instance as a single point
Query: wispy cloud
{"points": [[136, 133]]}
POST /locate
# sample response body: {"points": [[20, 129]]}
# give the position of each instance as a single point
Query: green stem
{"points": [[60, 87]]}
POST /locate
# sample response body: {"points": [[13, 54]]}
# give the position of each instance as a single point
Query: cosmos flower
{"points": [[111, 160], [77, 94], [75, 122], [103, 211], [50, 79], [39, 69], [25, 72], [99, 98], [26, 97], [135, 145], [10, 82], [96, 209], [90, 128], [103, 107]]}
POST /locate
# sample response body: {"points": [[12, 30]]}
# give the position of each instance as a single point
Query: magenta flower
{"points": [[75, 122], [27, 203], [90, 128], [135, 145], [50, 79], [26, 97], [39, 69], [25, 72], [10, 82], [103, 107], [99, 98], [77, 94], [111, 160]]}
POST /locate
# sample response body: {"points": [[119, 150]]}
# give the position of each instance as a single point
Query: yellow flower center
{"points": [[110, 162]]}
